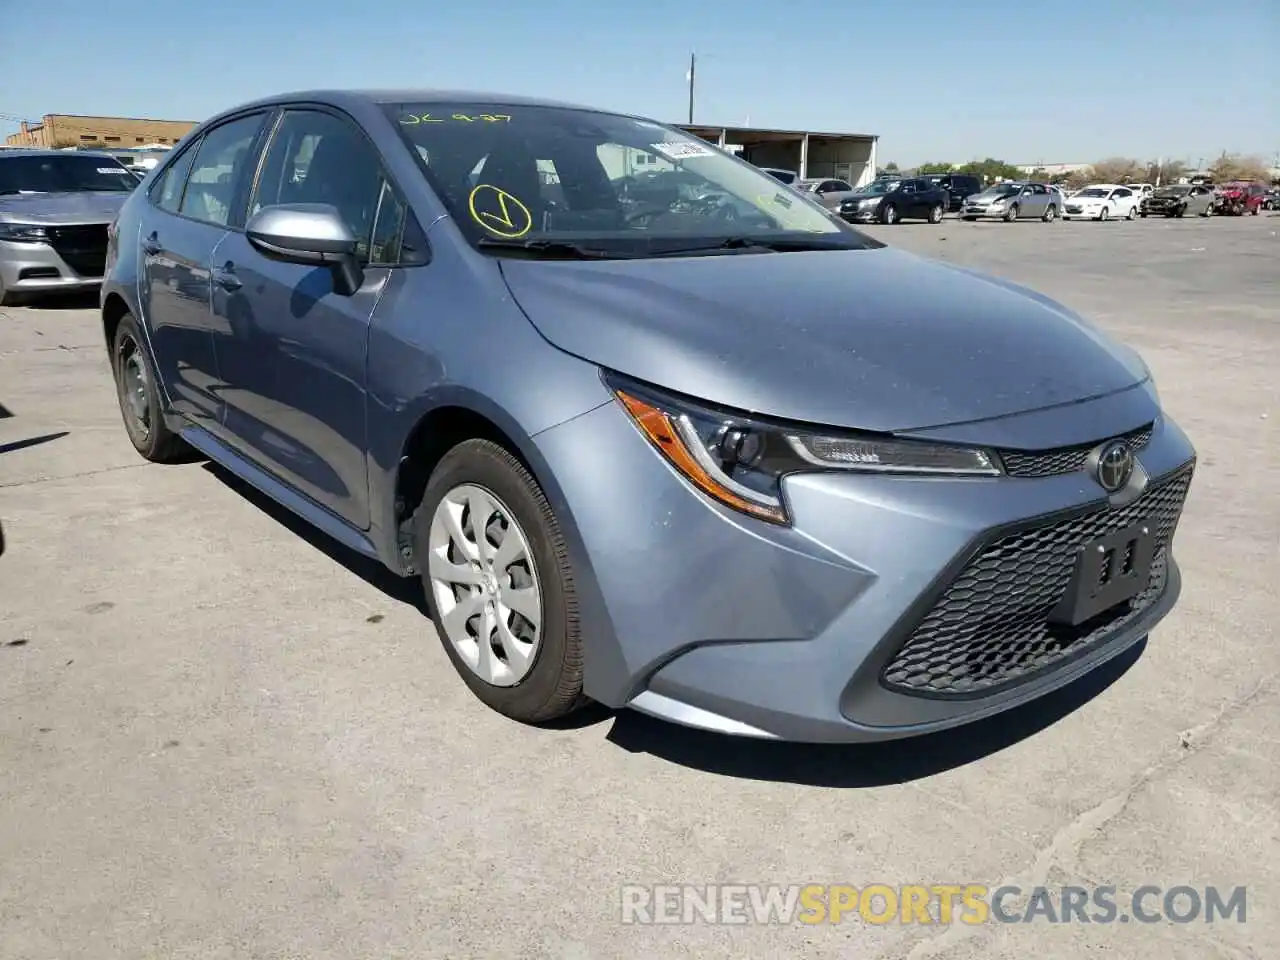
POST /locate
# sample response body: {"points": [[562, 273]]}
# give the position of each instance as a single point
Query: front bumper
{"points": [[40, 268], [710, 619], [868, 214], [968, 210]]}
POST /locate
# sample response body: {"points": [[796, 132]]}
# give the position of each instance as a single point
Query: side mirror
{"points": [[308, 233]]}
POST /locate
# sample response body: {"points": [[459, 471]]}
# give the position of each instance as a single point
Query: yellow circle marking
{"points": [[511, 218]]}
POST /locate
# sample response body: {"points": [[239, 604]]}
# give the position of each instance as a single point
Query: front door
{"points": [[293, 355]]}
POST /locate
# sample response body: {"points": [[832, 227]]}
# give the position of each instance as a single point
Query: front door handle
{"points": [[226, 278], [151, 245]]}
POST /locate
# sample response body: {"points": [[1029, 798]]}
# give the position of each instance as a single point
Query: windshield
{"points": [[524, 175], [879, 187], [808, 186], [1094, 192], [72, 173]]}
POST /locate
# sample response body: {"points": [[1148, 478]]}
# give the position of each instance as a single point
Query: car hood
{"points": [[61, 208], [1169, 195], [872, 339]]}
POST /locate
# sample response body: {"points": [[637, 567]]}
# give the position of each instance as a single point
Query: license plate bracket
{"points": [[1108, 572]]}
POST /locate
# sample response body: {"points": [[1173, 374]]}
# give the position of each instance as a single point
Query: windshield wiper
{"points": [[757, 244], [548, 249]]}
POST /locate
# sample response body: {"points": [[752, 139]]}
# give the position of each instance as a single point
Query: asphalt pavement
{"points": [[223, 736]]}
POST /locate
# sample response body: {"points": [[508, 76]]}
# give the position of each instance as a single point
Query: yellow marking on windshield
{"points": [[499, 212]]}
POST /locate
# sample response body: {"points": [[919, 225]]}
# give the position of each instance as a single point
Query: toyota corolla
{"points": [[724, 460]]}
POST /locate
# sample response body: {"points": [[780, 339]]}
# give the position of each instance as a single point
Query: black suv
{"points": [[957, 185]]}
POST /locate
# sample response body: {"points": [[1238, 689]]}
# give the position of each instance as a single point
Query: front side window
{"points": [[221, 162], [617, 184], [316, 157], [68, 173]]}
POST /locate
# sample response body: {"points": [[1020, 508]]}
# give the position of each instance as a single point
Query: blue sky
{"points": [[938, 81]]}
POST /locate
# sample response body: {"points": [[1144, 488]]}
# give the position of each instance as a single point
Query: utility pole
{"points": [[693, 64]]}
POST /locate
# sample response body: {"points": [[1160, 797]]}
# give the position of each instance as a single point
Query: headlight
{"points": [[997, 203], [741, 461], [23, 232], [870, 202]]}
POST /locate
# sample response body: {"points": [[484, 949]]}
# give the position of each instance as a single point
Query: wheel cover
{"points": [[485, 585], [133, 384]]}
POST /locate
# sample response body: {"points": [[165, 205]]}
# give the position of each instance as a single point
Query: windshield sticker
{"points": [[499, 212], [112, 170], [683, 149], [413, 119]]}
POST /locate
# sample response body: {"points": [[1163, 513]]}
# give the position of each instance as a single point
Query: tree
{"points": [[1117, 170], [1170, 171], [1235, 167], [932, 167], [991, 169], [889, 167]]}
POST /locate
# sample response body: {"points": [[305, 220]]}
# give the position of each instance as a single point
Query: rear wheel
{"points": [[935, 215], [499, 585], [138, 393], [1132, 214]]}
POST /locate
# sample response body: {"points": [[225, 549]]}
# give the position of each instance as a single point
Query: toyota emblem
{"points": [[1115, 466]]}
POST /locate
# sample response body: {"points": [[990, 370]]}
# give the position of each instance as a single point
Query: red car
{"points": [[1240, 197]]}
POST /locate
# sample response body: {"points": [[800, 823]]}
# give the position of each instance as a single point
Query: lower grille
{"points": [[1050, 463], [991, 626], [83, 247]]}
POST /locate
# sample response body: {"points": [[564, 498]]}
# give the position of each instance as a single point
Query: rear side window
{"points": [[167, 192], [222, 159]]}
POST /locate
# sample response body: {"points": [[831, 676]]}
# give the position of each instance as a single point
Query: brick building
{"points": [[66, 130]]}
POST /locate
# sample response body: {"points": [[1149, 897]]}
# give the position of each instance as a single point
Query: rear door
{"points": [[185, 219]]}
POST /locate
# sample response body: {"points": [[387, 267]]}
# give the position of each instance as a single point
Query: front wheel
{"points": [[499, 585], [935, 215], [890, 214], [1012, 215], [1105, 214], [1050, 214], [1132, 214]]}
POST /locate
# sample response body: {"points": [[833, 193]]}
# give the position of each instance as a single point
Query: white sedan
{"points": [[1102, 201]]}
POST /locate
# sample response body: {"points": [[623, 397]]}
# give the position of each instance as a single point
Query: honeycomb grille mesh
{"points": [[1050, 463], [991, 626]]}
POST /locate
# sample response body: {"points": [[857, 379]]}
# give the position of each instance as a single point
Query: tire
{"points": [[138, 394], [1050, 213], [1105, 214], [1143, 214], [890, 214], [1254, 211], [1132, 214], [935, 215], [548, 685], [1182, 211], [1012, 215]]}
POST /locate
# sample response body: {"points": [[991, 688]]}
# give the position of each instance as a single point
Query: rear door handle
{"points": [[226, 278]]}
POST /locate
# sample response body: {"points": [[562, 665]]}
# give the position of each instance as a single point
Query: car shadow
{"points": [[32, 441], [869, 764], [83, 300], [5, 412], [824, 765], [406, 590]]}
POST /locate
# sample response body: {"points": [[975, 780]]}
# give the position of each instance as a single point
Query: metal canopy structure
{"points": [[812, 154]]}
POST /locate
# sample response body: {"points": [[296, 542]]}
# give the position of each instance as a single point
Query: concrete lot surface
{"points": [[224, 737]]}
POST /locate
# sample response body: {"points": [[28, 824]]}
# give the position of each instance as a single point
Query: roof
{"points": [[413, 95], [710, 128], [50, 152]]}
